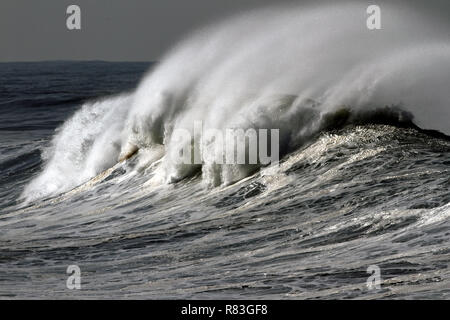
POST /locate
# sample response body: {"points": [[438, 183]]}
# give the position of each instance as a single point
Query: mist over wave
{"points": [[290, 68]]}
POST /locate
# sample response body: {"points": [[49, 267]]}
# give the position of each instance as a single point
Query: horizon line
{"points": [[79, 60]]}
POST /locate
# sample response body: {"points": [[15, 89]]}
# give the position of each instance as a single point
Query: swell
{"points": [[300, 69], [27, 160]]}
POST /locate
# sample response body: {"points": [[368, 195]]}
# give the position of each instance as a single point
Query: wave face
{"points": [[361, 196], [362, 179], [227, 76]]}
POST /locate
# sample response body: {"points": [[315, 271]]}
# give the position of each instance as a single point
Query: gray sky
{"points": [[120, 30]]}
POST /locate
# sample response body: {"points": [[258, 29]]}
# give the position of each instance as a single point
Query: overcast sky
{"points": [[122, 30]]}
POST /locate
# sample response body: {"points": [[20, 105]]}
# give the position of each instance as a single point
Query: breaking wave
{"points": [[298, 69]]}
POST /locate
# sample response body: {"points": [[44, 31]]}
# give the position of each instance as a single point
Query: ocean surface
{"points": [[358, 206], [348, 199]]}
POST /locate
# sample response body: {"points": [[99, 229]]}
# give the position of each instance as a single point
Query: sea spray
{"points": [[286, 68]]}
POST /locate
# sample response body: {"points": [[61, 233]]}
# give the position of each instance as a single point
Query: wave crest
{"points": [[292, 68]]}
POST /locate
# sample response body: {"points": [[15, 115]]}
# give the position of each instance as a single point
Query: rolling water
{"points": [[363, 177]]}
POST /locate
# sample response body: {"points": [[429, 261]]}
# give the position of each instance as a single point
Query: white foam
{"points": [[226, 76]]}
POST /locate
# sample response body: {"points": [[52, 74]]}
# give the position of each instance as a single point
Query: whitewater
{"points": [[363, 117]]}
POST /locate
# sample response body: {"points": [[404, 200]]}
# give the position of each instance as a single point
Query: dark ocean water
{"points": [[349, 198]]}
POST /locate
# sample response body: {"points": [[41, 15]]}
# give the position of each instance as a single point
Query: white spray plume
{"points": [[229, 75]]}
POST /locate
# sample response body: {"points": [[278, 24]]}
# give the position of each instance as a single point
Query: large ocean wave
{"points": [[298, 69]]}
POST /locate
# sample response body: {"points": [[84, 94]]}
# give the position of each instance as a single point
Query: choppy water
{"points": [[351, 198]]}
